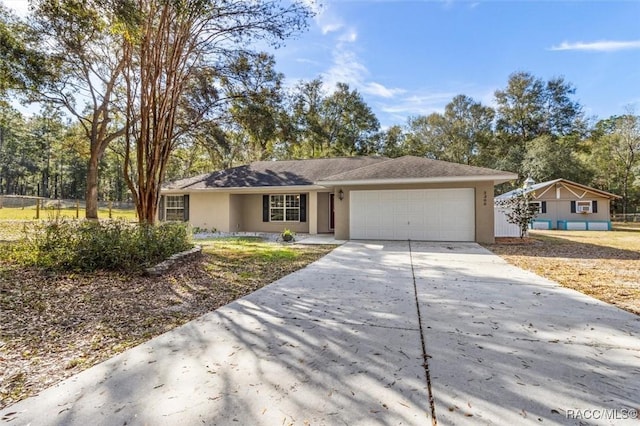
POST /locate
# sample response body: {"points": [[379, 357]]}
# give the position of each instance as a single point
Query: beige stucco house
{"points": [[563, 204], [353, 197]]}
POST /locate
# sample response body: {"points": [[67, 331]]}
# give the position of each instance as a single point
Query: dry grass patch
{"points": [[51, 213], [53, 326], [605, 265]]}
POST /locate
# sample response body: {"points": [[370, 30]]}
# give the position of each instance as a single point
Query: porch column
{"points": [[312, 212]]}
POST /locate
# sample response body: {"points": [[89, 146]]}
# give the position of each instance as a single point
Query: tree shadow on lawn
{"points": [[344, 348], [301, 351]]}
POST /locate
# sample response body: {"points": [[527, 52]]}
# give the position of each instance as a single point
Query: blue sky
{"points": [[411, 58]]}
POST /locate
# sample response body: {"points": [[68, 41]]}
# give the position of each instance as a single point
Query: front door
{"points": [[332, 221]]}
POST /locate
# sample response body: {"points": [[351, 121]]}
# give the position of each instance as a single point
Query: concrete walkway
{"points": [[343, 341]]}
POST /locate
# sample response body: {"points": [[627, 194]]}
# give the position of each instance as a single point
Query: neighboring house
{"points": [[353, 197], [563, 204]]}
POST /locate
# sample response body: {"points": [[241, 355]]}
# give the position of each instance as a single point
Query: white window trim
{"points": [[167, 208], [584, 208], [284, 208], [538, 205]]}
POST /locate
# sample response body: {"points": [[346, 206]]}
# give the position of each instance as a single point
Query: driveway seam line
{"points": [[425, 356]]}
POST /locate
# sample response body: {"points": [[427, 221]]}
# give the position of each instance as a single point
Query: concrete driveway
{"points": [[388, 333]]}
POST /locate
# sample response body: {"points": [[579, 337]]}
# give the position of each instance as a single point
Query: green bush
{"points": [[89, 246]]}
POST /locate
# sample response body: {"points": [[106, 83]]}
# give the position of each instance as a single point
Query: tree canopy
{"points": [[159, 90], [125, 69]]}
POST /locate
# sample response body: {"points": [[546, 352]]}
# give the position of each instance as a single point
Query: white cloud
{"points": [[307, 61], [420, 104], [330, 27], [346, 65], [487, 97], [20, 7], [350, 36], [346, 68], [326, 21], [425, 101], [598, 46], [378, 89]]}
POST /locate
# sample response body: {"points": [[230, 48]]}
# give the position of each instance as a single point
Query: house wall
{"points": [[323, 213], [243, 213], [484, 214], [209, 210], [251, 213], [559, 206], [235, 213]]}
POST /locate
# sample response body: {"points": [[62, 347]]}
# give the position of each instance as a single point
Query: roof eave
{"points": [[544, 185], [596, 191], [496, 179], [241, 190]]}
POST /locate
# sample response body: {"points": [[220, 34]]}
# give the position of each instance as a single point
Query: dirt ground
{"points": [[605, 265], [53, 326]]}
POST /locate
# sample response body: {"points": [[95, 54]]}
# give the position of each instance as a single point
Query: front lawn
{"points": [[53, 325], [605, 265]]}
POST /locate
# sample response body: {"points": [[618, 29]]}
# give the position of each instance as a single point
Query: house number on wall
{"points": [[484, 199]]}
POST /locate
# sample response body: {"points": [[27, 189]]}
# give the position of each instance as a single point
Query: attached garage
{"points": [[415, 214], [367, 198]]}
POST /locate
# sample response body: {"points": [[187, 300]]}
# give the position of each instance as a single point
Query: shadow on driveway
{"points": [[339, 343], [509, 347]]}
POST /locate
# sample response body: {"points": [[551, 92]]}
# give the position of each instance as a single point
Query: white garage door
{"points": [[420, 214]]}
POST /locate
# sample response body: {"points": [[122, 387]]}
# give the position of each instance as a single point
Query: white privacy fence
{"points": [[502, 227]]}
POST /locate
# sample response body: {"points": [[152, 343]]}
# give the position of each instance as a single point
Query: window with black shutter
{"points": [[175, 207], [284, 208], [185, 211]]}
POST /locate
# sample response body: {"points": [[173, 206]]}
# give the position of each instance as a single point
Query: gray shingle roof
{"points": [[274, 173], [316, 171], [410, 167]]}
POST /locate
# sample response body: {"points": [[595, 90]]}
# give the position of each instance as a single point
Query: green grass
{"points": [[53, 325], [30, 213], [245, 264], [240, 241], [253, 248]]}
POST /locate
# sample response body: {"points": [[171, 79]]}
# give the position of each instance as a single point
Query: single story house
{"points": [[563, 204], [352, 197]]}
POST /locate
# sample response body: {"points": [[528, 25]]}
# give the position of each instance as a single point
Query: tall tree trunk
{"points": [[91, 195]]}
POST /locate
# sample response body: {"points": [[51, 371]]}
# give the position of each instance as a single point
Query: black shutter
{"points": [[161, 208], [303, 207], [185, 212], [265, 208], [594, 206], [573, 207], [543, 207]]}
